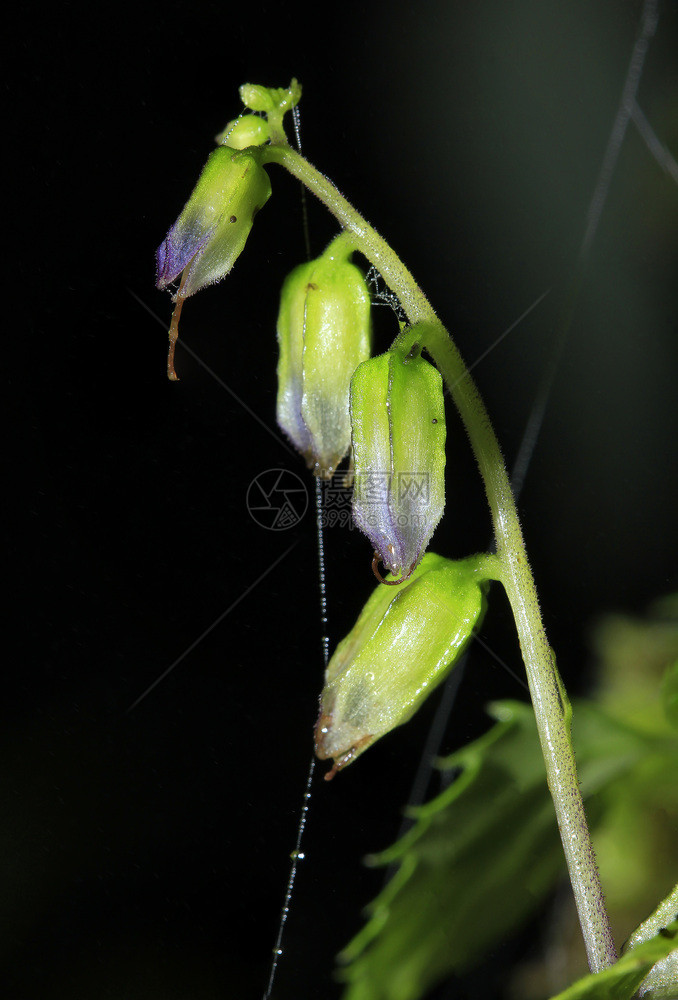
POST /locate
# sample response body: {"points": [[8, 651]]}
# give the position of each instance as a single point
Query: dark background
{"points": [[145, 852]]}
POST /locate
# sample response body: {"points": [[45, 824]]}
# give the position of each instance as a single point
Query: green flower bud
{"points": [[248, 130], [256, 97], [398, 435], [268, 99], [209, 235], [402, 645], [211, 231], [324, 334]]}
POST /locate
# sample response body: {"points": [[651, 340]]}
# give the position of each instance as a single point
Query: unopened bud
{"points": [[270, 99], [248, 130], [209, 235], [324, 334], [401, 647], [398, 437], [214, 224]]}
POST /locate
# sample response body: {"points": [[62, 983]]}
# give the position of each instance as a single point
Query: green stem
{"points": [[550, 706], [341, 247]]}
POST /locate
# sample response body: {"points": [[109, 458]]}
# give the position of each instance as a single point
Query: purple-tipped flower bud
{"points": [[324, 334], [211, 231], [209, 235], [398, 434]]}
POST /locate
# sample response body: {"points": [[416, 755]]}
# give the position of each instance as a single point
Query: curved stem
{"points": [[367, 240], [551, 709]]}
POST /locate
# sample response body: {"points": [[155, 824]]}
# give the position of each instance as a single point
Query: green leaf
{"points": [[481, 857], [662, 981], [669, 694], [621, 980]]}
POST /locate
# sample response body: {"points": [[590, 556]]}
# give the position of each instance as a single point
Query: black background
{"points": [[145, 852]]}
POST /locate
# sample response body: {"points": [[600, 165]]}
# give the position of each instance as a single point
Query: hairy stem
{"points": [[548, 698]]}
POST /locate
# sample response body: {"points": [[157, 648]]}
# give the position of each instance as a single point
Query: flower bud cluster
{"points": [[332, 398]]}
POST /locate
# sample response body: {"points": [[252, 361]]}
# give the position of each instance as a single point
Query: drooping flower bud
{"points": [[248, 130], [324, 334], [398, 436], [209, 235], [402, 645], [215, 222]]}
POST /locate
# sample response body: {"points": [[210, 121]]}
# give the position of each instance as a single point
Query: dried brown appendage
{"points": [[173, 337], [376, 559], [173, 332]]}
